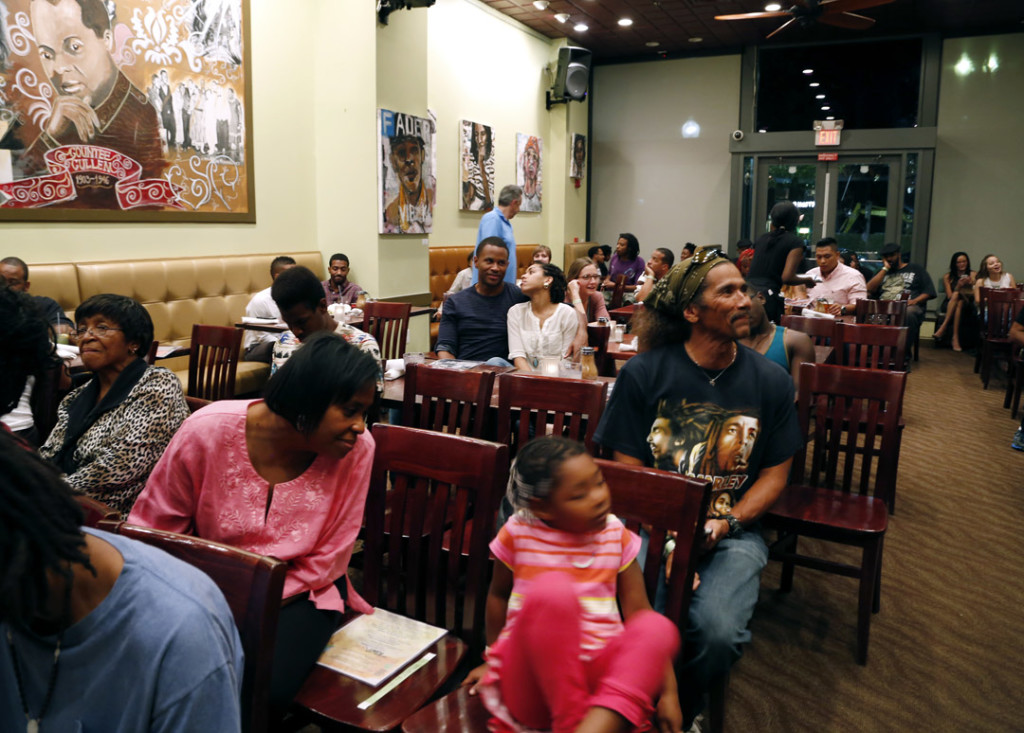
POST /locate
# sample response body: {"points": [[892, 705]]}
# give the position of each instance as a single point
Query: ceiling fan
{"points": [[805, 12]]}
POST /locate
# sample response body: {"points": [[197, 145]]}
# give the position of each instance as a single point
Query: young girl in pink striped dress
{"points": [[560, 657]]}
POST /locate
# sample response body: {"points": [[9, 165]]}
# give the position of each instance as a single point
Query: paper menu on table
{"points": [[373, 648]]}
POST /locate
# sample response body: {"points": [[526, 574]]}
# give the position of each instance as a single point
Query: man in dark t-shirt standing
{"points": [[696, 402], [474, 321]]}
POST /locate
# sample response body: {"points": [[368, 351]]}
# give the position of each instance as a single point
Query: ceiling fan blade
{"points": [[844, 6], [748, 16], [848, 20], [780, 28]]}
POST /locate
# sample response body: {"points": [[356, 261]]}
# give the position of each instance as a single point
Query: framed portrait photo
{"points": [[528, 170], [476, 166]]}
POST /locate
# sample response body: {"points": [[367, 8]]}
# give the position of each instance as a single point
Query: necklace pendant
{"points": [[33, 726], [583, 564]]}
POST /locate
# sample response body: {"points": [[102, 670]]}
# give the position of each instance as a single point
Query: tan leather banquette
{"points": [[177, 292]]}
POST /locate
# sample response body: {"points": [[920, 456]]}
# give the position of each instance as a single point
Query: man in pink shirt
{"points": [[835, 281]]}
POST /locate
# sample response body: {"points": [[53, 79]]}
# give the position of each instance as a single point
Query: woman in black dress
{"points": [[777, 258]]}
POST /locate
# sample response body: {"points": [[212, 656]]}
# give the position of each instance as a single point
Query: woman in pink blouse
{"points": [[285, 476]]}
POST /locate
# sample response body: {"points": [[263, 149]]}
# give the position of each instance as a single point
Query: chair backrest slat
{"points": [[881, 312], [213, 359], [662, 501], [541, 400], [871, 346], [433, 526], [445, 400], [389, 324], [855, 415]]}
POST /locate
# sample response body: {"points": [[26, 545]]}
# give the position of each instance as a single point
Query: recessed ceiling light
{"points": [[580, 27], [812, 84], [830, 117], [819, 96], [541, 4], [561, 17], [695, 39], [808, 71], [825, 108], [652, 44], [772, 7], [762, 131], [625, 22]]}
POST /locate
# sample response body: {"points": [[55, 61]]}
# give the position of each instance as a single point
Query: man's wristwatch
{"points": [[735, 528]]}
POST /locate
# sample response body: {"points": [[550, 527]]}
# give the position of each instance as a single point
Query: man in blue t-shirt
{"points": [[474, 323], [101, 632], [696, 402], [498, 223]]}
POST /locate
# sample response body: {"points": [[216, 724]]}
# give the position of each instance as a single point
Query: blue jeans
{"points": [[730, 578]]}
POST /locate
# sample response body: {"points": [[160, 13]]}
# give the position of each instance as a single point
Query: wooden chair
{"points": [[1003, 306], [618, 293], [881, 312], [1014, 382], [821, 330], [842, 496], [438, 482], [151, 354], [573, 407], [252, 585], [598, 335], [871, 347], [45, 399], [212, 361], [663, 501], [96, 511], [389, 324], [449, 401], [196, 403]]}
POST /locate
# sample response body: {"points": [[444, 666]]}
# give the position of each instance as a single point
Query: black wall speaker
{"points": [[573, 73]]}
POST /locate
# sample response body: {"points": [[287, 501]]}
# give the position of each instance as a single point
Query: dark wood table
{"points": [[624, 314]]}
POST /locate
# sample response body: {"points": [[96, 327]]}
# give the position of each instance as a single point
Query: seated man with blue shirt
{"points": [[100, 632], [474, 324]]}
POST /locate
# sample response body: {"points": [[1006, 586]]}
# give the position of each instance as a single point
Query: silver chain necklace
{"points": [[712, 380]]}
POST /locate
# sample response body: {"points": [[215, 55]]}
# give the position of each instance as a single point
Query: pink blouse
{"points": [[205, 485]]}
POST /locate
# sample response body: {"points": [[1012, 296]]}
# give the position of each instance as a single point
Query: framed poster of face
{"points": [[126, 110], [528, 170], [476, 170], [406, 183]]}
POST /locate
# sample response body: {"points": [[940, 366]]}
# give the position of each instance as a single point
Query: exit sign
{"points": [[827, 137]]}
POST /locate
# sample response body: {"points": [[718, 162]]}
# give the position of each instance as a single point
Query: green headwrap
{"points": [[679, 287]]}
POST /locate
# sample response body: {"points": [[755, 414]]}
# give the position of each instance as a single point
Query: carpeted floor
{"points": [[948, 646]]}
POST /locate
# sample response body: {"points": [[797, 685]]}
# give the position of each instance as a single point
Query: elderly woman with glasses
{"points": [[111, 431]]}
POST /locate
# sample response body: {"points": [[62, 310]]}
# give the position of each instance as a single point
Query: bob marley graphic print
{"points": [[708, 442], [664, 412]]}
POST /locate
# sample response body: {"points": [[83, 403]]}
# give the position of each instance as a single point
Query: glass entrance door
{"points": [[856, 200]]}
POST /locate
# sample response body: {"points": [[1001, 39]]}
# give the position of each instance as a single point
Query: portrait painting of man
{"points": [[123, 105], [476, 148], [407, 184], [528, 167], [578, 156]]}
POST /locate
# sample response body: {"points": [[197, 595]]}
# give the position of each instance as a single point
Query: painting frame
{"points": [[407, 172], [530, 171], [204, 50], [477, 160]]}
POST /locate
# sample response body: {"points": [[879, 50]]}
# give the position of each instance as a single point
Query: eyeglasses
{"points": [[101, 331], [589, 277]]}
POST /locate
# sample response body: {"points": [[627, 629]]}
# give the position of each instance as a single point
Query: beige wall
{"points": [[976, 204], [649, 180]]}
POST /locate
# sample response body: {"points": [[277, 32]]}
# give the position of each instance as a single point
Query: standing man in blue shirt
{"points": [[497, 223]]}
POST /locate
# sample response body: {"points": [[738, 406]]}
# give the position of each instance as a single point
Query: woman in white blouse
{"points": [[991, 275], [545, 326]]}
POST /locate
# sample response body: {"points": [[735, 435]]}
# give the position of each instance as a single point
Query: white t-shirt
{"points": [[20, 418], [527, 339], [261, 306]]}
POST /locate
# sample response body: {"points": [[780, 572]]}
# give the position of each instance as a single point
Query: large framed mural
{"points": [[406, 183], [476, 174], [126, 110], [528, 170]]}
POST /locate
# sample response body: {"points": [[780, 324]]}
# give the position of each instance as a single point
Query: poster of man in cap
{"points": [[407, 183]]}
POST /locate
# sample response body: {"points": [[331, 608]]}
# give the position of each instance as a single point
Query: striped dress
{"points": [[530, 548]]}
